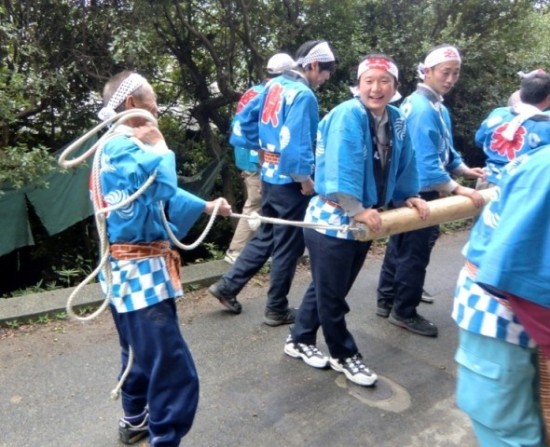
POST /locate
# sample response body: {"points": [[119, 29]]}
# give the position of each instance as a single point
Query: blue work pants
{"points": [[163, 376]]}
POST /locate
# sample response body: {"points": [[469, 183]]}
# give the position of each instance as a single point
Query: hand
{"points": [[420, 204], [371, 218], [308, 188], [472, 194], [148, 134], [224, 208], [474, 173]]}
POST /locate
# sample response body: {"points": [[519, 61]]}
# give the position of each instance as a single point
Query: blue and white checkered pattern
{"points": [[477, 311], [321, 212], [270, 174], [139, 283]]}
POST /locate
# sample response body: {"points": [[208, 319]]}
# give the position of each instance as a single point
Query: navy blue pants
{"points": [[335, 264], [404, 268], [163, 376], [284, 243]]}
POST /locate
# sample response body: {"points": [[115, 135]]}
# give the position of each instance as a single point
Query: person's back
{"points": [[287, 128], [247, 161], [509, 132]]}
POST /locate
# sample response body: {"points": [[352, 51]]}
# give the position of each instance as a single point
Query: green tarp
{"points": [[63, 203], [14, 222], [66, 200]]}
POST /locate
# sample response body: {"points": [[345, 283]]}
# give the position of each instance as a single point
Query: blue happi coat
{"points": [[499, 150], [430, 130], [345, 164], [126, 164], [510, 243], [247, 159], [283, 120]]}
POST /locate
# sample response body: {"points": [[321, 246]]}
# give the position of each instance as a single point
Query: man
{"points": [[160, 393], [408, 254], [364, 161], [247, 161], [282, 121], [509, 132], [502, 307]]}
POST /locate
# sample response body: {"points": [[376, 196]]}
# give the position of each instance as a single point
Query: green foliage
{"points": [[20, 166]]}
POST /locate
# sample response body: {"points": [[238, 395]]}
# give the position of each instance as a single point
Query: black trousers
{"points": [[284, 243], [404, 268], [335, 264]]}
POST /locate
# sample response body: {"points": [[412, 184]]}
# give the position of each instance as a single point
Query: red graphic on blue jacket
{"points": [[272, 105], [248, 96], [505, 147]]}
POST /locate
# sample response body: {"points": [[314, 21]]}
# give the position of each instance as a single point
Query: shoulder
{"points": [[350, 108], [415, 104]]}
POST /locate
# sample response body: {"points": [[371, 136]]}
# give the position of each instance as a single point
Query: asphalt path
{"points": [[56, 378]]}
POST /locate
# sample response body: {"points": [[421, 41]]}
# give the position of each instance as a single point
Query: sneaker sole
{"points": [[129, 440], [236, 309], [403, 325], [371, 380], [384, 313], [427, 299], [274, 323], [298, 355]]}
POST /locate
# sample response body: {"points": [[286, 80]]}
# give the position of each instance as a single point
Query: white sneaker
{"points": [[355, 370], [308, 353], [231, 256]]}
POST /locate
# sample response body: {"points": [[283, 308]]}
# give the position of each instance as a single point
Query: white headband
{"points": [[380, 63], [438, 56], [320, 53], [125, 89]]}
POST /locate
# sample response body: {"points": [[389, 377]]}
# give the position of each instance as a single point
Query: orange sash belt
{"points": [[270, 157], [126, 252]]}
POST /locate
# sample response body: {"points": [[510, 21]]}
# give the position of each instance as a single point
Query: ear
{"points": [[315, 66], [129, 103]]}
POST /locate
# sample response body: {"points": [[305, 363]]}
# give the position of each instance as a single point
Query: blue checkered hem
{"points": [[137, 284], [477, 311]]}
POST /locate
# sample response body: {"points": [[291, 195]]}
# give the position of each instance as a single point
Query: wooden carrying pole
{"points": [[443, 210]]}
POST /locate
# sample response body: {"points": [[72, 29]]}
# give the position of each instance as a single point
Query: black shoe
{"points": [[227, 299], [383, 308], [426, 297], [417, 324], [130, 434], [277, 318]]}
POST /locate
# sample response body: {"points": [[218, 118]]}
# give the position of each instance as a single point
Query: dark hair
{"points": [[535, 88], [380, 56], [306, 47]]}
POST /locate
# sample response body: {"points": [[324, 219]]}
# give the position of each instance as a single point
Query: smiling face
{"points": [[442, 77], [376, 88]]}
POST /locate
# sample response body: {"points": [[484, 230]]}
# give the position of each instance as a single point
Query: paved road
{"points": [[55, 379]]}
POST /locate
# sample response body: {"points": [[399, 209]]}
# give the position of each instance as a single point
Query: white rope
{"points": [[199, 240], [255, 220]]}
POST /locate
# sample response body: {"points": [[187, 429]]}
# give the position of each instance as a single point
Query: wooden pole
{"points": [[443, 210]]}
